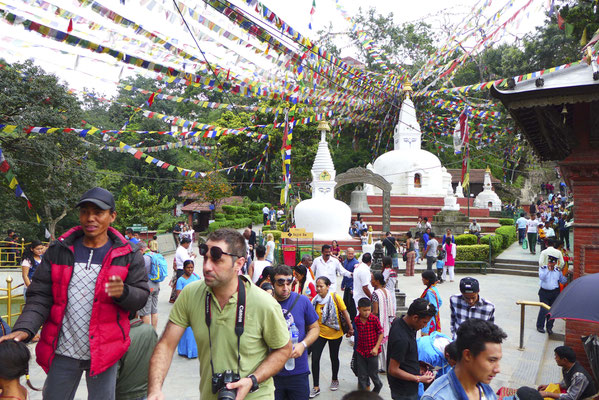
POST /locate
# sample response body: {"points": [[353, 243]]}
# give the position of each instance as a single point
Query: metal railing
{"points": [[11, 253], [523, 304], [9, 297]]}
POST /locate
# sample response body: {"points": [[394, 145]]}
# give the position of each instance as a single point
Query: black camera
{"points": [[219, 385]]}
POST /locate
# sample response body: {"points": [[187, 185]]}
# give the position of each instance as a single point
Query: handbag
{"points": [[342, 322], [525, 244], [405, 256]]}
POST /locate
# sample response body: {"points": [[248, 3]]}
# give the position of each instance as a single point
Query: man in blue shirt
{"points": [[479, 353], [297, 309], [347, 285], [550, 277]]}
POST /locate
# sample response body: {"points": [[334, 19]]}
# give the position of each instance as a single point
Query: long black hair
{"points": [[302, 270], [28, 253], [14, 361]]}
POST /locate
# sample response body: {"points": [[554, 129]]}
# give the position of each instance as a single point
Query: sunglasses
{"points": [[282, 281], [215, 252]]}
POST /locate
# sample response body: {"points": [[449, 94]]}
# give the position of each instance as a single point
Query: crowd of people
{"points": [[251, 323]]}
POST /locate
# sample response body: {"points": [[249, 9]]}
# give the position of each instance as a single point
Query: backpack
{"points": [[441, 255], [158, 270]]}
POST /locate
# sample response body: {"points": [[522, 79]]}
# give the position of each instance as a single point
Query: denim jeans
{"points": [[64, 376], [294, 387]]}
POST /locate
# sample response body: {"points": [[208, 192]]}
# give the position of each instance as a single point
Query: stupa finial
{"points": [[323, 127]]}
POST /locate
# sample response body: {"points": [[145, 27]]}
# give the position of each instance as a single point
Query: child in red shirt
{"points": [[368, 342]]}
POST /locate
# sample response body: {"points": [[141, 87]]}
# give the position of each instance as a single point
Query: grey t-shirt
{"points": [[431, 248], [73, 340]]}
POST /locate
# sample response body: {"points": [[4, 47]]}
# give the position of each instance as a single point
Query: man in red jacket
{"points": [[88, 282]]}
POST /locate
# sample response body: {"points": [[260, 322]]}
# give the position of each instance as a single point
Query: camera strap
{"points": [[239, 319]]}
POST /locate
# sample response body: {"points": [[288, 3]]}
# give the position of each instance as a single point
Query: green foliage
{"points": [[138, 206], [276, 234], [476, 252], [506, 221], [219, 216], [509, 235], [495, 241], [465, 239], [49, 166]]}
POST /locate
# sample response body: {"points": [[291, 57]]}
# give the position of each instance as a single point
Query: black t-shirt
{"points": [[389, 243], [403, 349]]}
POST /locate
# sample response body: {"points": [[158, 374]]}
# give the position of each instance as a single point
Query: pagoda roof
{"points": [[537, 106]]}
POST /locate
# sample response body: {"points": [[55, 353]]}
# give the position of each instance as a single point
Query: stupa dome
{"points": [[410, 169]]}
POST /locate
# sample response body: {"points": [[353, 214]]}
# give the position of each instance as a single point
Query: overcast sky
{"points": [[101, 72]]}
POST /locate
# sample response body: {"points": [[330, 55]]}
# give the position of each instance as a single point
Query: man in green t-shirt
{"points": [[264, 345]]}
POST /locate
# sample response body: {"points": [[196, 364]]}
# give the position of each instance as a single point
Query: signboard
{"points": [[297, 230], [297, 235]]}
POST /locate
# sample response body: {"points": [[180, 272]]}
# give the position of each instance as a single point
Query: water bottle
{"points": [[294, 333]]}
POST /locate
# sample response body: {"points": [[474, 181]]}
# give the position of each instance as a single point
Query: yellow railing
{"points": [[9, 300], [523, 304], [11, 253]]}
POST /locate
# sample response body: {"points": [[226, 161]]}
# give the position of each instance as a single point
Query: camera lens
{"points": [[227, 394]]}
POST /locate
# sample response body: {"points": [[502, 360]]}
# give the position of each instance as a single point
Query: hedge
{"points": [[506, 221], [476, 252], [257, 219], [508, 233], [465, 240], [276, 234], [219, 216], [230, 217], [229, 210], [496, 242]]}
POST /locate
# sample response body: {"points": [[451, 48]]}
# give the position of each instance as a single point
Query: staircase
{"points": [[514, 267], [405, 211]]}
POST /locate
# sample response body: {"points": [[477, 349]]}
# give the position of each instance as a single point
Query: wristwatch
{"points": [[255, 385]]}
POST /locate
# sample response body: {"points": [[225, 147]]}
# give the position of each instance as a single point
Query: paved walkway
{"points": [[183, 378]]}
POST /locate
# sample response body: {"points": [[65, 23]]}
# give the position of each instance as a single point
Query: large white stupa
{"points": [[323, 215], [411, 170]]}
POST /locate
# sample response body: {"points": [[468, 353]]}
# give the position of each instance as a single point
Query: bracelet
{"points": [[304, 343], [418, 378]]}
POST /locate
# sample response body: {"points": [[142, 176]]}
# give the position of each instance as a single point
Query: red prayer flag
{"points": [[151, 99], [70, 28], [560, 21]]}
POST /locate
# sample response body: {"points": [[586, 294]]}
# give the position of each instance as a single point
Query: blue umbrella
{"points": [[578, 300]]}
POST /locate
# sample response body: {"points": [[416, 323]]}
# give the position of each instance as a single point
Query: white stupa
{"points": [[459, 190], [450, 203], [488, 198], [327, 218], [411, 170]]}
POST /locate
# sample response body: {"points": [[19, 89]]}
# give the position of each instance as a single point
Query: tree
{"points": [[136, 205], [212, 188], [49, 166]]}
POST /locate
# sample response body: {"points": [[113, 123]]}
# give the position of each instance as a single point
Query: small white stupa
{"points": [[411, 170], [450, 201], [488, 198], [459, 190], [323, 215]]}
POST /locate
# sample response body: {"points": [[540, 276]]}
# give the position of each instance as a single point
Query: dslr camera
{"points": [[219, 385]]}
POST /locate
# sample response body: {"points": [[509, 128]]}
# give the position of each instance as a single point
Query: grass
{"points": [[16, 307]]}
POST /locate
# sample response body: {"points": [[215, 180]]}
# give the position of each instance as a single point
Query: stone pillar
{"points": [[581, 171]]}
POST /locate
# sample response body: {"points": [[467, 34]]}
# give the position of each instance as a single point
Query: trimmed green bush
{"points": [[506, 221], [257, 219], [509, 235], [219, 216], [477, 252], [495, 241], [276, 234], [230, 217], [465, 240]]}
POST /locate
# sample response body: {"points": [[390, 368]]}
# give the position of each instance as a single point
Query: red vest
{"points": [[109, 324]]}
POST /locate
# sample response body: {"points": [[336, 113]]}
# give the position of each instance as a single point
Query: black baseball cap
{"points": [[469, 285], [98, 196], [551, 259]]}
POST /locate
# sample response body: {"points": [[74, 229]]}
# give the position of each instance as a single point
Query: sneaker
{"points": [[314, 393], [334, 385]]}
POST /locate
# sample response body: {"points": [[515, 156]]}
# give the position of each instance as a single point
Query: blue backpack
{"points": [[158, 270]]}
